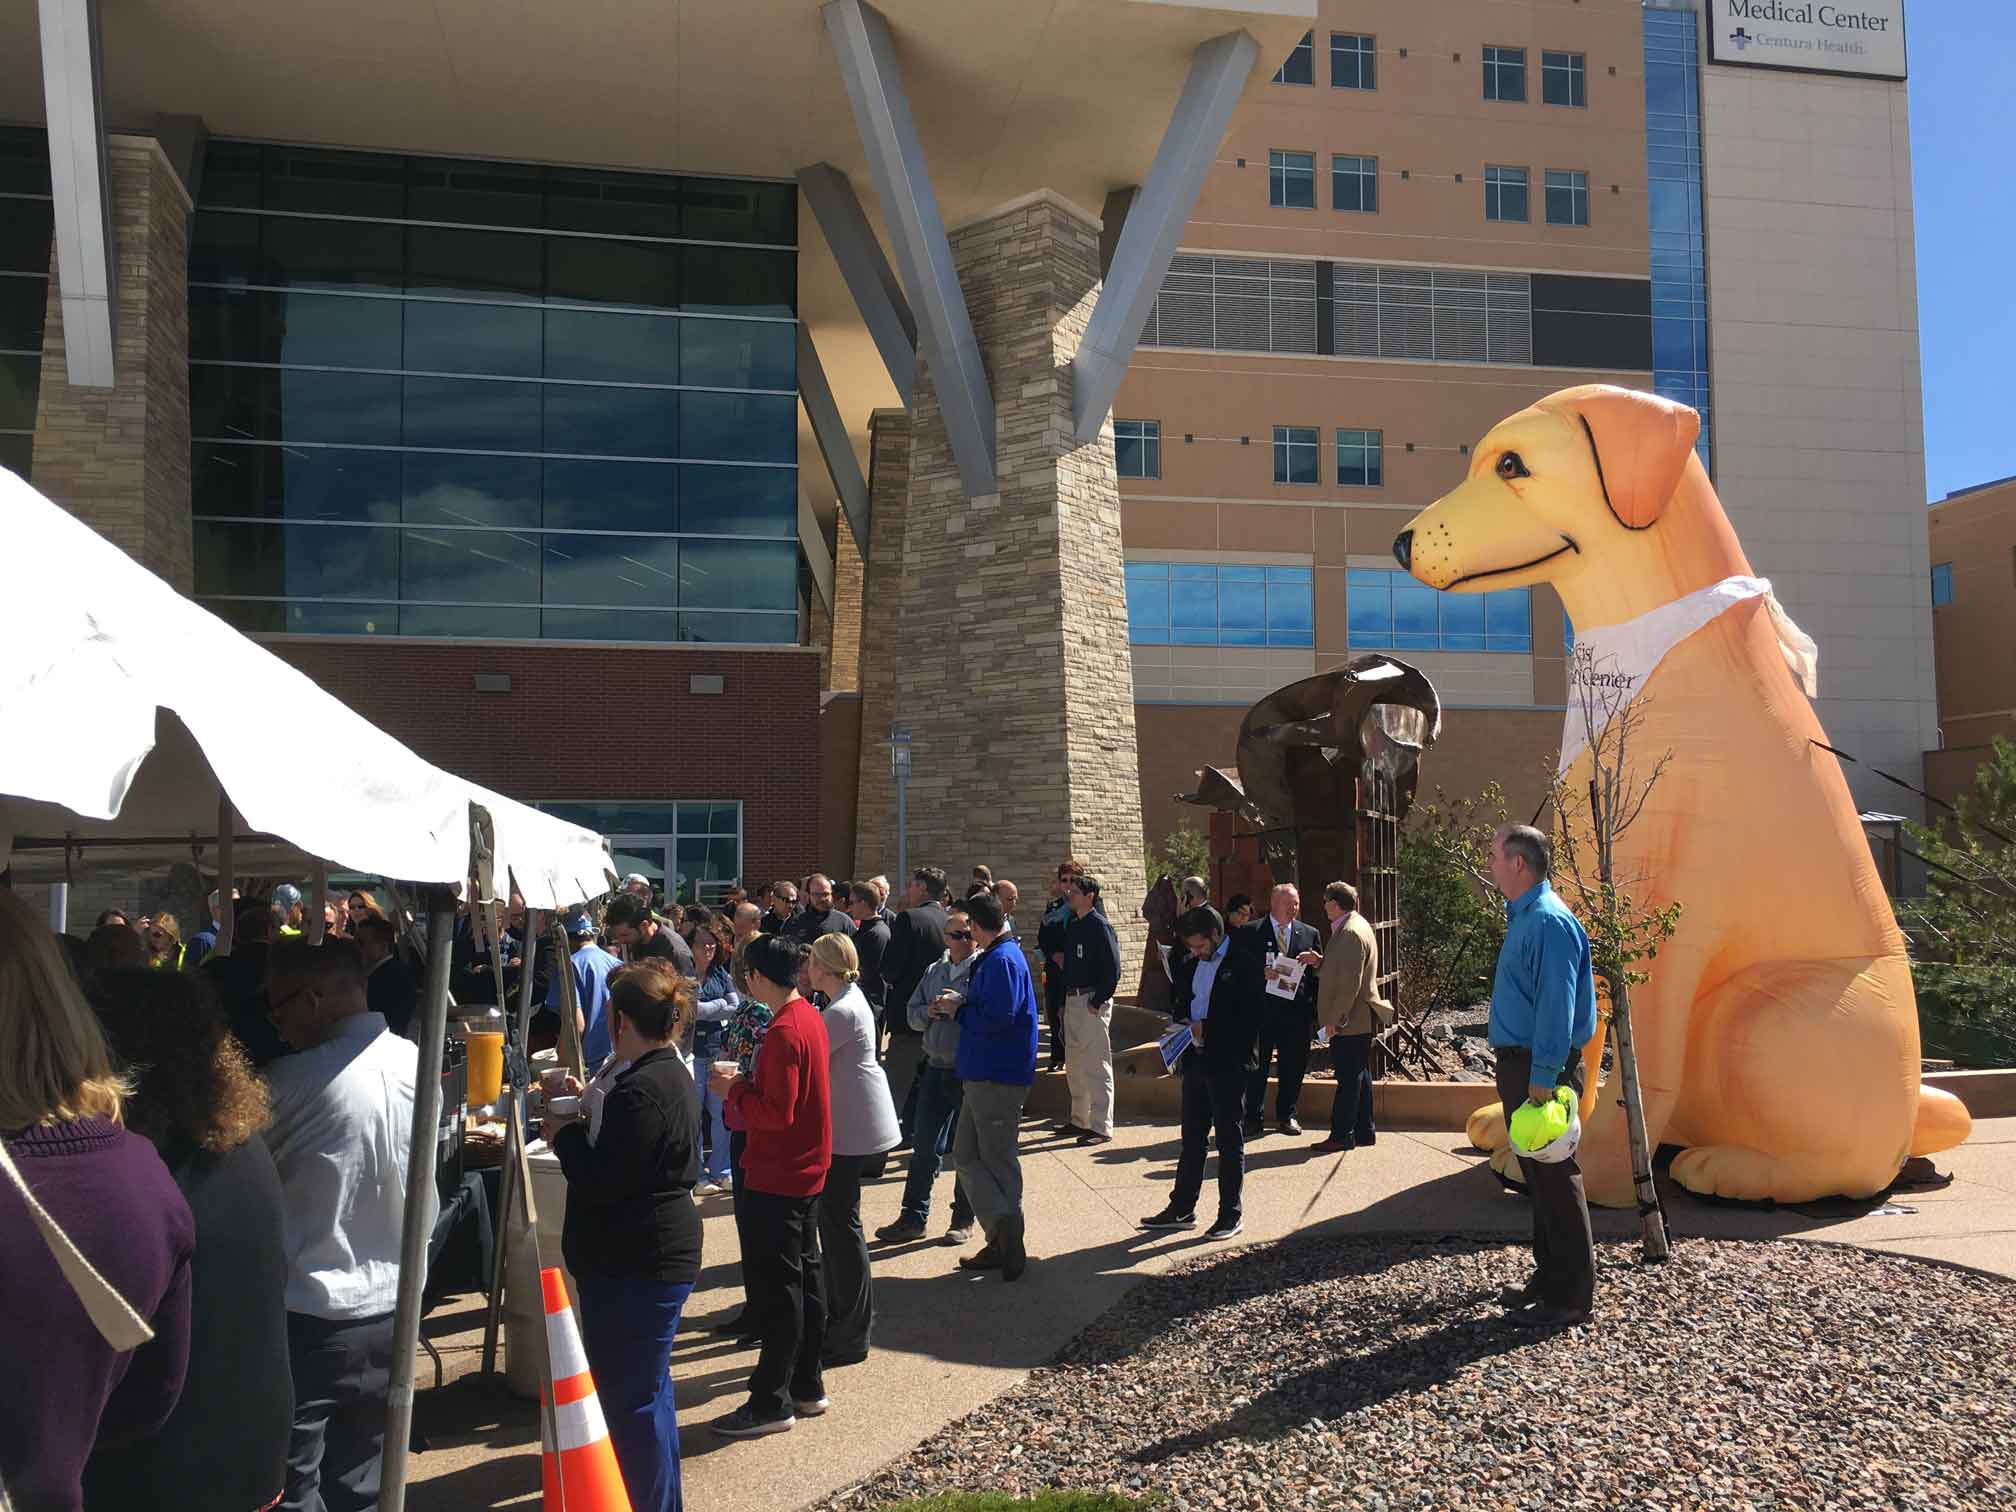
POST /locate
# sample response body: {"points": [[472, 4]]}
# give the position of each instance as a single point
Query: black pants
{"points": [[1053, 1015], [737, 1143], [787, 1299], [849, 1288], [342, 1374], [901, 1048], [1211, 1100], [1351, 1112], [1284, 1031], [1564, 1250]]}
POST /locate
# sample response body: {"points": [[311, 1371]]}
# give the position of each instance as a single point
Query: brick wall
{"points": [[588, 723]]}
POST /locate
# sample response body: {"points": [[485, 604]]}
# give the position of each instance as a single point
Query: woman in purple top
{"points": [[60, 1102]]}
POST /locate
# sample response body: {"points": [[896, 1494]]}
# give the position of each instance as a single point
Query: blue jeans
{"points": [[627, 1327], [940, 1094]]}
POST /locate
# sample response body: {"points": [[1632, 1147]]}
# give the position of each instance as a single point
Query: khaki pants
{"points": [[1088, 1062]]}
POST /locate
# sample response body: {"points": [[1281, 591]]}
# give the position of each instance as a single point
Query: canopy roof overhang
{"points": [[126, 710], [1009, 97]]}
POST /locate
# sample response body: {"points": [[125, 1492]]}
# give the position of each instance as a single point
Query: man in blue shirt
{"points": [[591, 965], [1543, 1011], [1214, 990]]}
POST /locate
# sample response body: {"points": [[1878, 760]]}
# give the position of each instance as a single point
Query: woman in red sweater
{"points": [[783, 1107]]}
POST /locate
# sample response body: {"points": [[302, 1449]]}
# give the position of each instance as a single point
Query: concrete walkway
{"points": [[946, 1341]]}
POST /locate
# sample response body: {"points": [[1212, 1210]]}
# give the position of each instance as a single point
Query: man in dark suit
{"points": [[1216, 984], [916, 941], [240, 981], [1286, 1024], [390, 990]]}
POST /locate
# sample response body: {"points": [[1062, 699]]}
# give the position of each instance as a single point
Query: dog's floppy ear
{"points": [[1641, 443]]}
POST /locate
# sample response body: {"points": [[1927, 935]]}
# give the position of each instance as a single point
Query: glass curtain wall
{"points": [[470, 399], [25, 219], [1673, 175]]}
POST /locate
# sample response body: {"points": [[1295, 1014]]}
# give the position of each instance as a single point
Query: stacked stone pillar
{"points": [[1006, 653], [118, 458]]}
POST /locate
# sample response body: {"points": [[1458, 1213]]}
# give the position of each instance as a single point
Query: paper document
{"points": [[1284, 978], [1174, 1043]]}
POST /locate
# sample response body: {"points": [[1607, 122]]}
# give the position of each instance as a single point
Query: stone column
{"points": [[1013, 669], [845, 659], [118, 458], [880, 643]]}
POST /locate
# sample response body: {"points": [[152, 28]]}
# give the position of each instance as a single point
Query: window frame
{"points": [[1368, 182], [667, 839], [1577, 192], [1365, 59], [1494, 189], [1371, 444], [1937, 569], [1307, 48], [1287, 443], [1149, 438], [1289, 585], [1501, 62], [1574, 67], [1277, 177]]}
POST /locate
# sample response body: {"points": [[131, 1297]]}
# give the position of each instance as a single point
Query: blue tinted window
{"points": [[445, 337], [1201, 604], [442, 489], [612, 496], [1147, 604], [739, 501], [472, 414], [449, 565], [738, 575], [738, 427], [612, 422], [743, 354], [1942, 584], [1387, 610], [613, 348]]}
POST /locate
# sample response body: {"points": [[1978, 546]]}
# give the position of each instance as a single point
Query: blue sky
{"points": [[1963, 140]]}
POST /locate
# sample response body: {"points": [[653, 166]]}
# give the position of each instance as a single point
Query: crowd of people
{"points": [[224, 1135]]}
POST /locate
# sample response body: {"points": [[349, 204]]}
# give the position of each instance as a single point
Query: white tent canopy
{"points": [[99, 653]]}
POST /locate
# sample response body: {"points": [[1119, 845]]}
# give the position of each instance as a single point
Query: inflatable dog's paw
{"points": [[1487, 1128]]}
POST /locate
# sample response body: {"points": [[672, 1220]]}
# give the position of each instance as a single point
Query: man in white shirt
{"points": [[341, 1135]]}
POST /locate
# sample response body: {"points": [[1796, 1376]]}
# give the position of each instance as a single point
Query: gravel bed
{"points": [[1372, 1372]]}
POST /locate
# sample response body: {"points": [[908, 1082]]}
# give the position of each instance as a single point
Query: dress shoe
{"points": [[835, 1361], [1169, 1218], [1255, 1127], [1512, 1298], [1330, 1147], [1014, 1258], [902, 1231], [1368, 1139], [1544, 1315], [986, 1258], [1290, 1127], [1091, 1138]]}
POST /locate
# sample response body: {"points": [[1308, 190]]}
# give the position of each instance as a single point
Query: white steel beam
{"points": [[869, 278], [81, 186], [842, 466]]}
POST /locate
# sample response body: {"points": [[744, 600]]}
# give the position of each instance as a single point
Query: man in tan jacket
{"points": [[1349, 1008]]}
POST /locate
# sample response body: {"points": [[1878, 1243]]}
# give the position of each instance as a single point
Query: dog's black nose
{"points": [[1403, 549]]}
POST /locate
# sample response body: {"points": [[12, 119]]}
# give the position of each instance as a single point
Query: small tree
{"points": [[1963, 932], [1623, 933], [1184, 852], [1451, 921]]}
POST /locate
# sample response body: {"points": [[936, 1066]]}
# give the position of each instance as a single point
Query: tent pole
{"points": [[570, 1003], [414, 1235], [514, 1140], [318, 904], [227, 879]]}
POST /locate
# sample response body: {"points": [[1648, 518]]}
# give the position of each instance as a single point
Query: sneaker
{"points": [[1169, 1218], [1225, 1227], [1091, 1138], [746, 1423], [814, 1408], [707, 1189], [959, 1233], [901, 1231]]}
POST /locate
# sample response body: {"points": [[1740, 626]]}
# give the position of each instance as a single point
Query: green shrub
{"points": [[1184, 852], [1963, 932], [1451, 924]]}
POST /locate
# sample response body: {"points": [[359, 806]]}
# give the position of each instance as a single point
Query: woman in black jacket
{"points": [[224, 1448], [632, 1234]]}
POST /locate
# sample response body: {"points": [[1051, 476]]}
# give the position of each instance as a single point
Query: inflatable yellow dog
{"points": [[1778, 1035]]}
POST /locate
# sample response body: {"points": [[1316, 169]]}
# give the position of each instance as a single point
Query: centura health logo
{"points": [[1740, 37]]}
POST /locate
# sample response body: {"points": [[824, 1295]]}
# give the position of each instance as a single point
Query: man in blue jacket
{"points": [[1543, 1011], [996, 1065]]}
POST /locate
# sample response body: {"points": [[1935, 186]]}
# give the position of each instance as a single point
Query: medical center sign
{"points": [[1860, 37]]}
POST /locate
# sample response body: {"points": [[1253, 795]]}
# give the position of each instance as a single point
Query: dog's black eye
{"points": [[1509, 466]]}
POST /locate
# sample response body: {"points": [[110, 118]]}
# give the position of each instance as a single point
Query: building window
{"points": [[1354, 183], [1295, 453], [1942, 584], [1360, 459], [1567, 633], [1505, 73], [26, 215], [1137, 448], [1505, 194], [1300, 65], [1563, 79], [1206, 604], [1567, 197], [692, 852], [470, 399], [1679, 286], [1291, 180], [1390, 611], [1353, 61]]}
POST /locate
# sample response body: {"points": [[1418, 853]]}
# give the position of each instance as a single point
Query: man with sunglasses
{"points": [[930, 1011], [1091, 976], [342, 1127]]}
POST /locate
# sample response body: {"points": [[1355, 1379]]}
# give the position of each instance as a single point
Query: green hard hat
{"points": [[1535, 1126]]}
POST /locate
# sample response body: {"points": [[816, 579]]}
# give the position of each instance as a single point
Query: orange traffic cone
{"points": [[581, 1473]]}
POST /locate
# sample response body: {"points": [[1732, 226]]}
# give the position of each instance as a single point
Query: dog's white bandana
{"points": [[1611, 663]]}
